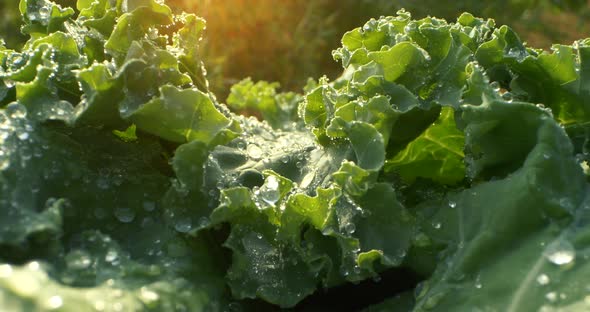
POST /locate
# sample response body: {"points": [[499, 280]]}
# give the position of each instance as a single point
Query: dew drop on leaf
{"points": [[551, 296], [350, 228], [33, 266], [478, 283], [560, 252], [23, 136], [78, 260], [254, 151], [543, 279], [99, 305], [269, 192], [54, 302], [307, 179], [111, 256], [124, 214], [44, 12], [495, 86], [16, 111], [344, 271], [203, 222], [183, 225], [148, 296]]}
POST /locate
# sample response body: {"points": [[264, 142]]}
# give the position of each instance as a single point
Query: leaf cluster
{"points": [[449, 150]]}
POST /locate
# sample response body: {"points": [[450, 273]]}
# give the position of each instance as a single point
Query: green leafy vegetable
{"points": [[447, 150], [437, 154]]}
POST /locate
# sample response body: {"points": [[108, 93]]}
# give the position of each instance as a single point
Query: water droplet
{"points": [[220, 185], [562, 296], [350, 228], [543, 279], [123, 110], [285, 159], [16, 111], [560, 252], [452, 204], [495, 86], [551, 296], [203, 222], [148, 296], [344, 271], [519, 54], [78, 260], [254, 151], [183, 225], [307, 179], [124, 214], [23, 136], [270, 192], [54, 302], [44, 12], [99, 305], [9, 83], [436, 225], [33, 266], [478, 283], [111, 256]]}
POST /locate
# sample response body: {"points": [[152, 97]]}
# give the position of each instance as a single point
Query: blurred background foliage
{"points": [[290, 40]]}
